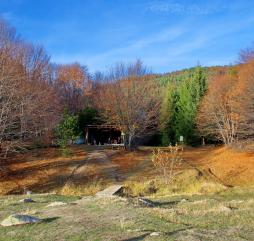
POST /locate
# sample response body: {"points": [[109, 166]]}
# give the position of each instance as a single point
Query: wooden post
{"points": [[87, 135]]}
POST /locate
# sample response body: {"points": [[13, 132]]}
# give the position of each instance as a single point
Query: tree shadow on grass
{"points": [[177, 231], [166, 204], [138, 238], [50, 220], [148, 232]]}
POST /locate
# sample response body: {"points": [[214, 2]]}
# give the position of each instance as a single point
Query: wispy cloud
{"points": [[130, 50], [209, 39], [190, 9], [164, 35]]}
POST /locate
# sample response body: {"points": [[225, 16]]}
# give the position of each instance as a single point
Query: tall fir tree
{"points": [[180, 107]]}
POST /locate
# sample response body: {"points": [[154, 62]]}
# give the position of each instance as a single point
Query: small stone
{"points": [[54, 204], [19, 219], [27, 200], [145, 202], [225, 209], [155, 234]]}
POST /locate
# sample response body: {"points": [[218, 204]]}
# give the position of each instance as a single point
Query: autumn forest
{"points": [[38, 97], [126, 120]]}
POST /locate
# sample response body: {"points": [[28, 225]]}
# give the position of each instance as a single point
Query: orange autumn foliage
{"points": [[227, 111]]}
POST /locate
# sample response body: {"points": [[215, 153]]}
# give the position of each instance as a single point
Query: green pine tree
{"points": [[180, 106]]}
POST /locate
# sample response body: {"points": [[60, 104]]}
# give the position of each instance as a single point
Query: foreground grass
{"points": [[227, 215]]}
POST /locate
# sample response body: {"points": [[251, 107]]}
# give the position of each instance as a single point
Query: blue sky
{"points": [[166, 35]]}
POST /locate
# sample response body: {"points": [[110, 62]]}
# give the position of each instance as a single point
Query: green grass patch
{"points": [[224, 215]]}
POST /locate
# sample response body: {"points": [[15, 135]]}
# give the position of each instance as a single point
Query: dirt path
{"points": [[96, 165]]}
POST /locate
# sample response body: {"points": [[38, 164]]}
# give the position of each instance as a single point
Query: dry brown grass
{"points": [[89, 189], [44, 170], [39, 170], [186, 182], [227, 165]]}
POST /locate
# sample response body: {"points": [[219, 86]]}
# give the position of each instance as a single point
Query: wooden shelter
{"points": [[103, 134]]}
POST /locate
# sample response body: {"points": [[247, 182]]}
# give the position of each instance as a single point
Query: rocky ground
{"points": [[228, 215]]}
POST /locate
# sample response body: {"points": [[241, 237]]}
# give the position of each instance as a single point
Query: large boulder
{"points": [[19, 219]]}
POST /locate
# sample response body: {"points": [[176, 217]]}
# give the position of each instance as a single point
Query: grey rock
{"points": [[19, 219], [27, 200], [145, 202], [110, 191], [155, 234]]}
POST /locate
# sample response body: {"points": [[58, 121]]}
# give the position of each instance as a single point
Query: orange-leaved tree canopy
{"points": [[227, 110], [129, 98]]}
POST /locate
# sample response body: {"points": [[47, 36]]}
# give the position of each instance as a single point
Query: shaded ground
{"points": [[45, 170], [225, 216], [40, 170]]}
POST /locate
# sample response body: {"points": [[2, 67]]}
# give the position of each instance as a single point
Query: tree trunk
{"points": [[129, 143]]}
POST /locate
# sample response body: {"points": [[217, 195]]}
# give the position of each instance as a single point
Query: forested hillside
{"points": [[199, 104], [164, 79], [43, 102]]}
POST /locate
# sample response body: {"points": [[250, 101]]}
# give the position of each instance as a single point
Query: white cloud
{"points": [[178, 8], [126, 53], [173, 46]]}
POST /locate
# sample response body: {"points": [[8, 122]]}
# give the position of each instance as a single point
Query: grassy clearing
{"points": [[187, 182], [194, 206], [228, 215]]}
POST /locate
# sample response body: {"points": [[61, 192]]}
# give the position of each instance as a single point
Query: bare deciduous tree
{"points": [[130, 100], [73, 85], [246, 89], [219, 111], [247, 54], [28, 104], [227, 110], [167, 161]]}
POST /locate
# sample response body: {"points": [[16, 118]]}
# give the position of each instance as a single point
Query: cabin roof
{"points": [[102, 126]]}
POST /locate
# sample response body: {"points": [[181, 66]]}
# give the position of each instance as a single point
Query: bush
{"points": [[140, 188], [167, 161], [67, 132]]}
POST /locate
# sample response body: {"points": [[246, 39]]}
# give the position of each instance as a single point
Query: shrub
{"points": [[67, 132], [167, 161], [143, 188]]}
